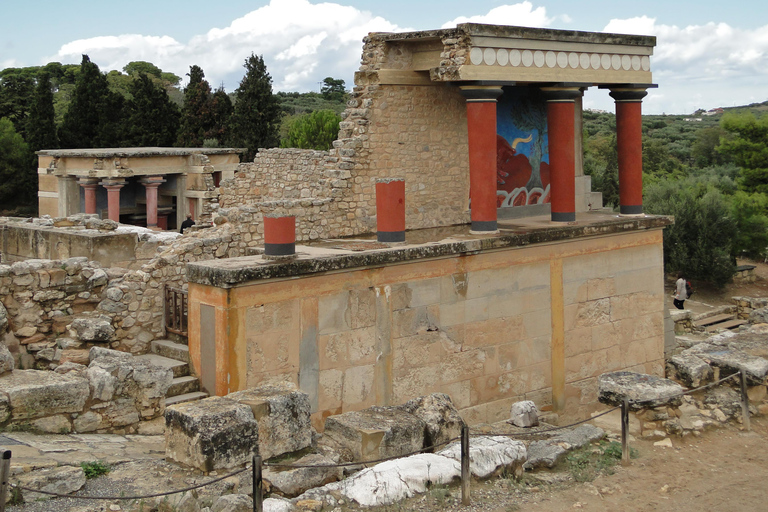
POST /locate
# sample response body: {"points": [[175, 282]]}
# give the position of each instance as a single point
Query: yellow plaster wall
{"points": [[538, 323]]}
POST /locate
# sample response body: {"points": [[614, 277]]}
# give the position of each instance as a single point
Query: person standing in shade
{"points": [[187, 223], [680, 292]]}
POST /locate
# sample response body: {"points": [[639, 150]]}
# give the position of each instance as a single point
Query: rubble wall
{"points": [[488, 329]]}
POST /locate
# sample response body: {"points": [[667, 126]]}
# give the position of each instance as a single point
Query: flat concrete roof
{"points": [[423, 244], [137, 152]]}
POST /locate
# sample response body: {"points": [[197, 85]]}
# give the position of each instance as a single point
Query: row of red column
{"points": [[561, 110], [113, 186]]}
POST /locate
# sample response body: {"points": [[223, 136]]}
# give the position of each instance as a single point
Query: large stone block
{"points": [[34, 393], [376, 433], [283, 414], [443, 421], [642, 391], [214, 433]]}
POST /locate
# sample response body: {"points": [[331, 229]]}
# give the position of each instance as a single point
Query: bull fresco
{"points": [[522, 154]]}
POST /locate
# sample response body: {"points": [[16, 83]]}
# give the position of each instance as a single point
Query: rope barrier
{"points": [[138, 497], [385, 459]]}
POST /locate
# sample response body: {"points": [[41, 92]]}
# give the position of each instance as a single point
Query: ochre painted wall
{"points": [[538, 322]]}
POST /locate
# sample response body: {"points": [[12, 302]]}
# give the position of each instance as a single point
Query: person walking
{"points": [[680, 291]]}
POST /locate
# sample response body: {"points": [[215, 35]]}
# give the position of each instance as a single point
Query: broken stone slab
{"points": [[758, 316], [61, 480], [390, 481], [376, 432], [293, 482], [213, 433], [283, 414], [731, 361], [549, 452], [233, 503], [441, 417], [643, 391], [490, 455], [692, 370], [37, 393], [3, 318], [101, 352], [277, 505], [96, 329], [524, 414]]}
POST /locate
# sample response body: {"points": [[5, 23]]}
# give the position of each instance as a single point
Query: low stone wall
{"points": [[746, 305], [113, 393]]}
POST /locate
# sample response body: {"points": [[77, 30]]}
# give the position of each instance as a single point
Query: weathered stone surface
{"points": [[283, 414], [731, 360], [758, 316], [92, 329], [491, 455], [442, 419], [34, 394], [101, 352], [691, 369], [278, 505], [58, 424], [233, 503], [7, 362], [548, 452], [62, 480], [377, 432], [524, 414], [643, 391], [293, 482], [5, 408], [214, 433], [3, 318]]}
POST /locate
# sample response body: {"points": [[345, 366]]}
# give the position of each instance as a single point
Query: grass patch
{"points": [[589, 462], [95, 468]]}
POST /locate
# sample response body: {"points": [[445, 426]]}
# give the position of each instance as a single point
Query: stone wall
{"points": [[488, 329]]}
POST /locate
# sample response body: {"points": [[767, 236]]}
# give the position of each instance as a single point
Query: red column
{"points": [[150, 184], [481, 137], [561, 111], [89, 186], [113, 187], [629, 142], [390, 210], [279, 235]]}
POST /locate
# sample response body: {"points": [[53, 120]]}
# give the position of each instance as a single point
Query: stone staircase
{"points": [[175, 356], [719, 321]]}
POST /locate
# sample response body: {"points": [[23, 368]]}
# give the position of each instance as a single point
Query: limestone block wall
{"points": [[538, 323]]}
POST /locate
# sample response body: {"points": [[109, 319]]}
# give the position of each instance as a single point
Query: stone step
{"points": [[179, 368], [730, 324], [713, 320], [183, 385], [186, 397], [171, 349]]}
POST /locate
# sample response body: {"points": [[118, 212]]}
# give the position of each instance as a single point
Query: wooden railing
{"points": [[176, 310]]}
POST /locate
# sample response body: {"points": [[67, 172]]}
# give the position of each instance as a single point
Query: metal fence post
{"points": [[625, 432], [5, 471], [745, 401], [465, 474], [258, 496]]}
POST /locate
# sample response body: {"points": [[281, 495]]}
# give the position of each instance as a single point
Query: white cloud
{"points": [[702, 66], [522, 15], [301, 42]]}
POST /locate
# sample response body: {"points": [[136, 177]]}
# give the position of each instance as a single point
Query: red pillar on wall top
{"points": [[561, 112], [390, 210], [279, 235], [481, 138], [113, 187], [629, 142]]}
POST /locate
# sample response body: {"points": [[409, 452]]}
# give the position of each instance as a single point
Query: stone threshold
{"points": [[423, 244]]}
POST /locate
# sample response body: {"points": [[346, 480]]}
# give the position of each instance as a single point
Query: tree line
{"points": [[708, 171], [77, 106]]}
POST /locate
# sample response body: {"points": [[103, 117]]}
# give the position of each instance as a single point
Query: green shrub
{"points": [[95, 468]]}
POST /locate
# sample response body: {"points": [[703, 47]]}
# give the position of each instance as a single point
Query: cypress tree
{"points": [[41, 127], [196, 114], [14, 168], [94, 115], [221, 110], [152, 118], [256, 119]]}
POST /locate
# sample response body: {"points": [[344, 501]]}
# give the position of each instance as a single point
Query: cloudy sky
{"points": [[708, 53]]}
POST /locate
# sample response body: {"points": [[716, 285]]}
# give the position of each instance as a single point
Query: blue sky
{"points": [[708, 54]]}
